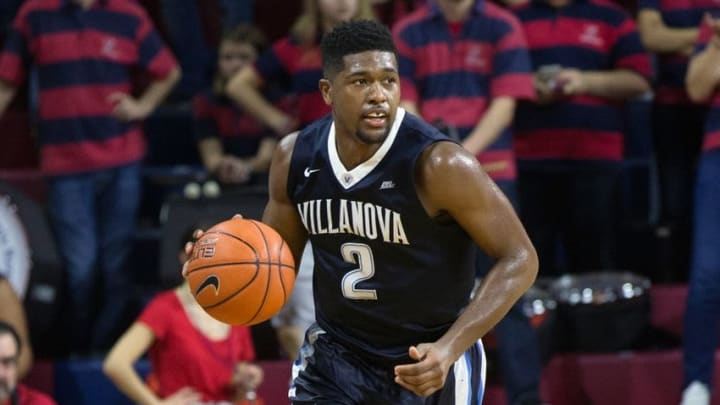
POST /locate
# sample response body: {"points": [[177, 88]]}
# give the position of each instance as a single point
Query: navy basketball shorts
{"points": [[328, 373]]}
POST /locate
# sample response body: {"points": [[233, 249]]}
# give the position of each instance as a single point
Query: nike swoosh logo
{"points": [[308, 171], [211, 280]]}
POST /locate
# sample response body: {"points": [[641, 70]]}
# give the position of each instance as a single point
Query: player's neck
{"points": [[352, 151]]}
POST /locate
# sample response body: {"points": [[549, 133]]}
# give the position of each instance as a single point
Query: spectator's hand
{"points": [[545, 92], [429, 373], [284, 124], [232, 170], [247, 377], [572, 82], [183, 396], [127, 108]]}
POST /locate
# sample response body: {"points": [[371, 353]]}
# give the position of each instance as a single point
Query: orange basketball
{"points": [[241, 271]]}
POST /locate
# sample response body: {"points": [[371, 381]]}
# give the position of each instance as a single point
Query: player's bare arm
{"points": [[452, 184], [280, 213]]}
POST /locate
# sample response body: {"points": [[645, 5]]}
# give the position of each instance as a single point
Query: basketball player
{"points": [[394, 211]]}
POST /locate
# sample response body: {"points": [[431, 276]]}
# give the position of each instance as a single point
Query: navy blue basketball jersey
{"points": [[387, 276]]}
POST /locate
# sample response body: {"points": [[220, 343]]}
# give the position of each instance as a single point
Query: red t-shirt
{"points": [[29, 396], [182, 356]]}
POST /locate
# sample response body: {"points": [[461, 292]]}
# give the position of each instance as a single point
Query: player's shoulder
{"points": [[413, 126]]}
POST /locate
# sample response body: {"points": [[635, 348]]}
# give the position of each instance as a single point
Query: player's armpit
{"points": [[280, 213]]}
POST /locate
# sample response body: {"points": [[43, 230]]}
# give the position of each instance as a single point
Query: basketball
{"points": [[241, 272]]}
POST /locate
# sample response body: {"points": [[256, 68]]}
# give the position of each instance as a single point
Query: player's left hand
{"points": [[127, 108], [429, 373]]}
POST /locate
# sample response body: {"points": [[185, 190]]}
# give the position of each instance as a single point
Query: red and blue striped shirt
{"points": [[296, 69], [589, 35], [671, 68], [454, 78], [82, 57], [217, 116]]}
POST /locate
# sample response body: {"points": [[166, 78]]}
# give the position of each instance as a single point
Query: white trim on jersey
{"points": [[462, 370], [348, 178]]}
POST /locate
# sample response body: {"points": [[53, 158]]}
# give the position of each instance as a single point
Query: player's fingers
{"points": [[237, 216], [185, 269], [416, 369], [198, 233], [424, 390], [421, 378]]}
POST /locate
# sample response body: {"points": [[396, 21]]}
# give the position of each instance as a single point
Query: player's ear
{"points": [[325, 88]]}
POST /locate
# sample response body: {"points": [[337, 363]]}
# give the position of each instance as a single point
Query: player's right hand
{"points": [[183, 396], [197, 234]]}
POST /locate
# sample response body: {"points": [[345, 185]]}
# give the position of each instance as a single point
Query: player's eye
{"points": [[359, 82]]}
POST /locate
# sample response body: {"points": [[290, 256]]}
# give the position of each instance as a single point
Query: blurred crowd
{"points": [[597, 119]]}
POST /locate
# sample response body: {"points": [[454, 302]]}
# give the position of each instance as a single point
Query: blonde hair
{"points": [[308, 26]]}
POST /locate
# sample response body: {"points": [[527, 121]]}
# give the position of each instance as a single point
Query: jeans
{"points": [[569, 211], [518, 350], [93, 217], [703, 302]]}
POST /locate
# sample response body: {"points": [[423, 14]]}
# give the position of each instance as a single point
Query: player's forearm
{"points": [[158, 90], [703, 73], [501, 288], [243, 88], [615, 84], [497, 117]]}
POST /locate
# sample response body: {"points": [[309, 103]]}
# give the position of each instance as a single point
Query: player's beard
{"points": [[372, 140]]}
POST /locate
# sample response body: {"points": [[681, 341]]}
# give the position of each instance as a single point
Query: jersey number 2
{"points": [[361, 255]]}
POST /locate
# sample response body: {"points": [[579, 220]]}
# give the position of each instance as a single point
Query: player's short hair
{"points": [[7, 329], [353, 37]]}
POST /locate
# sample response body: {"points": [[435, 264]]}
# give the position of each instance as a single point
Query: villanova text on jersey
{"points": [[359, 218], [387, 275]]}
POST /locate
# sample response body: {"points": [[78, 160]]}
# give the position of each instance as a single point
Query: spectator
{"points": [[462, 65], [91, 139], [11, 392], [234, 146], [13, 313], [703, 303], [587, 57], [669, 28], [294, 61], [193, 357]]}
